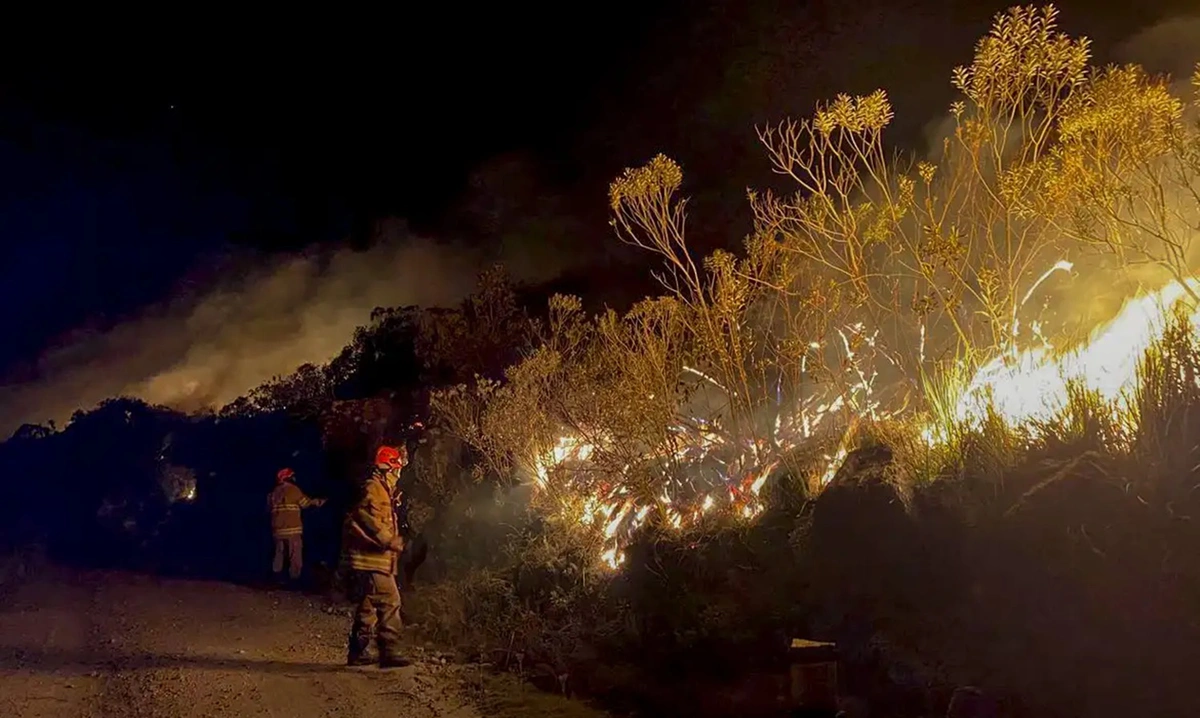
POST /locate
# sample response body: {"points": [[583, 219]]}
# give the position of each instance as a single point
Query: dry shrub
{"points": [[529, 597]]}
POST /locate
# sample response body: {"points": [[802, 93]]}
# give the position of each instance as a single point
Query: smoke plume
{"points": [[1166, 47], [205, 347]]}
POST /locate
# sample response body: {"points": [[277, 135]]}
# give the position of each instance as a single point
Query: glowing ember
{"points": [[613, 558], [703, 462]]}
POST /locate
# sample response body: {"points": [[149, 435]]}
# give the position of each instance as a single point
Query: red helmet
{"points": [[284, 474], [390, 457]]}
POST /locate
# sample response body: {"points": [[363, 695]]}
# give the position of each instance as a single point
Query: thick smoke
{"points": [[1169, 47], [206, 347]]}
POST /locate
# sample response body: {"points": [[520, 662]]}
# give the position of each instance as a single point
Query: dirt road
{"points": [[122, 645]]}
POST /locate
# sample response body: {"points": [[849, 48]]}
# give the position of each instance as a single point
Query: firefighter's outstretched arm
{"points": [[307, 501]]}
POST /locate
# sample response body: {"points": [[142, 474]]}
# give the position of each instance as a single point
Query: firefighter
{"points": [[287, 527], [371, 544]]}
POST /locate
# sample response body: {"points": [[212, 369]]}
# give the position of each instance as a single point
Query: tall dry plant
{"points": [[759, 372], [1124, 176], [939, 254]]}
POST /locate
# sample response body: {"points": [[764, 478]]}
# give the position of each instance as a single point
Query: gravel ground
{"points": [[117, 644]]}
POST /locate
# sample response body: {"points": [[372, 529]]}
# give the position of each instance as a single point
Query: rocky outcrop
{"points": [[864, 540]]}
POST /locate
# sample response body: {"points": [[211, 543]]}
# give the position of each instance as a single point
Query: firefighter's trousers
{"points": [[377, 617], [289, 549]]}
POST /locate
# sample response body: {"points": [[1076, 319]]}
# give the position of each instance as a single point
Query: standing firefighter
{"points": [[285, 503], [372, 544]]}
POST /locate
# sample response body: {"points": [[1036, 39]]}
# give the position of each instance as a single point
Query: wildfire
{"points": [[1032, 386], [707, 469], [715, 471]]}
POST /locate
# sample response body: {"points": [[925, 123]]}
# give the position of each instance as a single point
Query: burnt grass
{"points": [[1056, 570]]}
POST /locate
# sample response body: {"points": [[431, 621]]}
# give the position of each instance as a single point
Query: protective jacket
{"points": [[285, 503], [369, 529]]}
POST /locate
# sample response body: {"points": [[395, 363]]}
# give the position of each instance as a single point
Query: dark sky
{"points": [[142, 158], [126, 159]]}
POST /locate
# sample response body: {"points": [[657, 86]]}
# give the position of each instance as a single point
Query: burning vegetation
{"points": [[941, 411], [919, 299]]}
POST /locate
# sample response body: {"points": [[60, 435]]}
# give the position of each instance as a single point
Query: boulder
{"points": [[864, 541]]}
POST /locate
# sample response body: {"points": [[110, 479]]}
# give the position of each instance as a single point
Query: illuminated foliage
{"points": [[880, 289]]}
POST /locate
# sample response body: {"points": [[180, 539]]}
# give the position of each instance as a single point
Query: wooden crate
{"points": [[814, 675]]}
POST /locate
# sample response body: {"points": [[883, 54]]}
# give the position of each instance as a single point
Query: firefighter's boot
{"points": [[360, 652]]}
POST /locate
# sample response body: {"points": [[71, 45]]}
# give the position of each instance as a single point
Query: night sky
{"points": [[125, 164], [154, 166]]}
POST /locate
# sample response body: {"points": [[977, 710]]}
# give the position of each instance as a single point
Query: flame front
{"points": [[716, 473], [1022, 387], [1032, 386]]}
